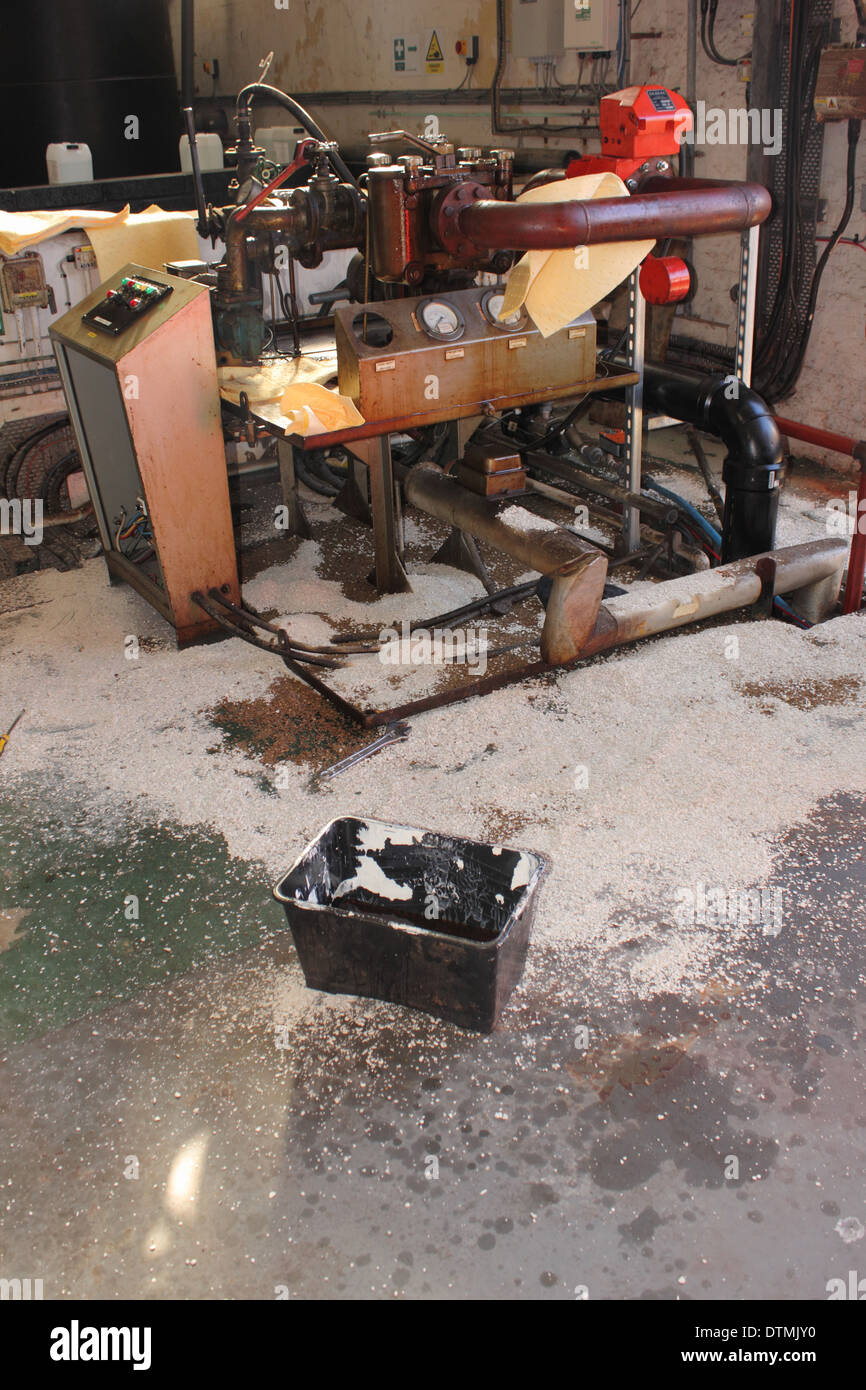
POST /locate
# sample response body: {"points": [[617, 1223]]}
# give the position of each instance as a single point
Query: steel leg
{"points": [[352, 497], [391, 577], [634, 410], [298, 524]]}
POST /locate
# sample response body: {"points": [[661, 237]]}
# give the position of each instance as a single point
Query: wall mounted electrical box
{"points": [[22, 282], [547, 28], [137, 362], [536, 28], [591, 26], [840, 90]]}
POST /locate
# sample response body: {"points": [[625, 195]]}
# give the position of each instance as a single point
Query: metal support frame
{"points": [[634, 409], [460, 550], [298, 524], [747, 296], [351, 500], [391, 577], [810, 573]]}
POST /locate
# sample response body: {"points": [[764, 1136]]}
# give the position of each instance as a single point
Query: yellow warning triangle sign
{"points": [[434, 50]]}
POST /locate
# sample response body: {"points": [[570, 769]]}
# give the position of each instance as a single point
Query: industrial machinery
{"points": [[424, 341], [430, 220], [137, 362]]}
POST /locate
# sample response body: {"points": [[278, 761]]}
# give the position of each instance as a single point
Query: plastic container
{"points": [[210, 152], [69, 163], [279, 141], [413, 917]]}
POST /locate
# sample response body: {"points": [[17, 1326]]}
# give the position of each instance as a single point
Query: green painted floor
{"points": [[90, 916]]}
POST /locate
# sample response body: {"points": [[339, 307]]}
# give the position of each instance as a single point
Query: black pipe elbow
{"points": [[726, 407], [723, 406]]}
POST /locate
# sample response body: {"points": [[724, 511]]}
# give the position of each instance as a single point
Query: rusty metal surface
{"points": [[578, 569], [797, 568], [172, 429], [408, 420], [322, 216], [681, 212], [484, 364], [660, 512], [391, 577], [664, 610], [534, 542]]}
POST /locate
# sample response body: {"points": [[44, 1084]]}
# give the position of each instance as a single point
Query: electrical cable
{"points": [[705, 527], [784, 328], [302, 116], [498, 126], [314, 483], [796, 366], [845, 241], [708, 39], [711, 541]]}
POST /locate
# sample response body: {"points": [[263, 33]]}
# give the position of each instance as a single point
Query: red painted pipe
{"points": [[851, 448], [825, 439], [551, 226], [299, 160], [857, 557]]}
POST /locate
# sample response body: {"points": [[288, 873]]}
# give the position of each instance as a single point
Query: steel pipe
{"points": [[664, 513], [801, 571], [578, 570], [691, 211]]}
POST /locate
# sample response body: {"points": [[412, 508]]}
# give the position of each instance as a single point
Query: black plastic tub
{"points": [[431, 921]]}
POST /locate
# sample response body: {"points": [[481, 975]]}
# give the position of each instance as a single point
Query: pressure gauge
{"points": [[441, 320], [491, 306]]}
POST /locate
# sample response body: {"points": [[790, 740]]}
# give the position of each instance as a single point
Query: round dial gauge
{"points": [[491, 305], [441, 320]]}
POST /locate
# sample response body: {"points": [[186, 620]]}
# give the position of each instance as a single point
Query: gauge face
{"points": [[441, 320], [491, 306]]}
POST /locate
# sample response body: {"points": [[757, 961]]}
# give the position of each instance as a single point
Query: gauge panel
{"points": [[491, 304], [440, 319]]}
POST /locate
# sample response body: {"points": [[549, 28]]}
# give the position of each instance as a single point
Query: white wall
{"points": [[342, 46]]}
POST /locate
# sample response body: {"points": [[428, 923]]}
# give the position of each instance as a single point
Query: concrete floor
{"points": [[182, 1119]]}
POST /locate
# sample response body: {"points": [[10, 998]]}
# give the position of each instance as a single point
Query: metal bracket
{"points": [[746, 300], [634, 409]]}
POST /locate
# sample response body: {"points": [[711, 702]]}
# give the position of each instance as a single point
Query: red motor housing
{"points": [[638, 125]]}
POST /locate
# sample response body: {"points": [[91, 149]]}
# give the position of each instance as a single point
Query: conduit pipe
{"points": [[808, 574]]}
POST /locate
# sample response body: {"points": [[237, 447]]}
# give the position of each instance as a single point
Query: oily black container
{"points": [[431, 921]]}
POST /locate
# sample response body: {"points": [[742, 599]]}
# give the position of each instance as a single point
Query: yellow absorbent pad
{"points": [[295, 391], [148, 238], [18, 230], [558, 286], [316, 410]]}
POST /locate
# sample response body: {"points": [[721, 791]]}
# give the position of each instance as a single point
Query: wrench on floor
{"points": [[394, 733]]}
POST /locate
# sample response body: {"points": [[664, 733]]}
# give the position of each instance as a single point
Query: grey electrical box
{"points": [[537, 28], [590, 26], [547, 28]]}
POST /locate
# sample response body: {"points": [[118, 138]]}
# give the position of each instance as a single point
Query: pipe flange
{"points": [[451, 204]]}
